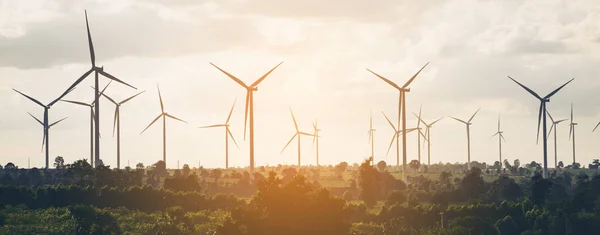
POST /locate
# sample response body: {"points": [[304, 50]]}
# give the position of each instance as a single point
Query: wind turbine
{"points": [[45, 122], [468, 124], [97, 70], [401, 113], [164, 115], [249, 108], [372, 136], [117, 123], [396, 136], [572, 131], [555, 127], [500, 135], [419, 135], [227, 135], [316, 138], [541, 113], [297, 134], [428, 133], [91, 105]]}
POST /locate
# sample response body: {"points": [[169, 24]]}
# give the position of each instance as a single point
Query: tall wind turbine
{"points": [[46, 133], [572, 132], [541, 113], [117, 122], [91, 106], [227, 135], [500, 135], [420, 134], [297, 134], [249, 108], [401, 113], [555, 127], [45, 122], [396, 136], [316, 138], [164, 115], [428, 134], [372, 136], [468, 124], [97, 70]]}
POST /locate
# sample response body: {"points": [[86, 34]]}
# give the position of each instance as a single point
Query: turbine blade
{"points": [[502, 136], [559, 121], [471, 119], [211, 126], [458, 120], [385, 80], [162, 107], [570, 131], [526, 88], [539, 122], [30, 98], [110, 99], [38, 120], [419, 117], [115, 119], [293, 118], [549, 132], [558, 89], [498, 122], [57, 122], [596, 126], [371, 120], [128, 99], [114, 78], [230, 112], [169, 115], [72, 87], [91, 45], [391, 124], [246, 111], [76, 102], [435, 122], [414, 76], [306, 134], [391, 143], [43, 140], [231, 76], [571, 112], [265, 76], [288, 143], [550, 116], [494, 135], [156, 119], [422, 134], [231, 135], [370, 134]]}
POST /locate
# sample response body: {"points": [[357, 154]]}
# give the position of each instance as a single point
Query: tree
{"points": [[10, 166], [472, 185], [382, 166], [414, 164], [59, 162], [368, 183], [560, 165], [340, 168], [139, 166], [186, 170], [216, 174]]}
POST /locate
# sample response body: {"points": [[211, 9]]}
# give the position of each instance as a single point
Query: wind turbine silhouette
{"points": [[372, 136], [249, 108], [541, 113], [97, 70], [117, 122], [468, 124], [227, 135], [401, 115], [428, 134], [572, 131], [555, 127], [164, 115], [91, 106], [396, 134], [500, 135], [316, 138], [297, 134], [420, 134], [45, 122]]}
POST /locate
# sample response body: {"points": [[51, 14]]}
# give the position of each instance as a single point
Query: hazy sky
{"points": [[326, 47]]}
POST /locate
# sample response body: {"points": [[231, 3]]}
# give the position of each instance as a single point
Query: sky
{"points": [[472, 46]]}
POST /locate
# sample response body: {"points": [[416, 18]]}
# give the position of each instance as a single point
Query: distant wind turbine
{"points": [[428, 134], [468, 124], [572, 132], [297, 134], [97, 70], [91, 105], [117, 122], [227, 135], [420, 134], [249, 108], [164, 115], [555, 127], [396, 134], [541, 113], [316, 138], [500, 135], [45, 122], [401, 115], [372, 136]]}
